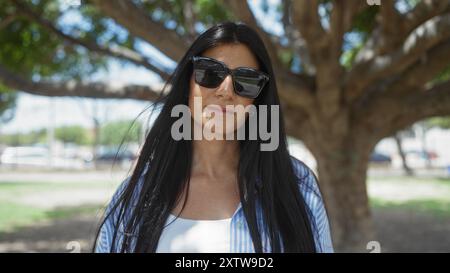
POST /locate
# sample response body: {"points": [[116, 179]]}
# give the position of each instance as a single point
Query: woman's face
{"points": [[233, 55]]}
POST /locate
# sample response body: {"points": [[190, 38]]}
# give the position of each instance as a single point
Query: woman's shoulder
{"points": [[126, 183], [309, 188], [124, 186], [306, 178]]}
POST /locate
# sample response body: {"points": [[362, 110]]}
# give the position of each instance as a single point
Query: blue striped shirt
{"points": [[240, 239]]}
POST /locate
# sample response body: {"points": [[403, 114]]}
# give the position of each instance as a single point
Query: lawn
{"points": [[430, 195], [419, 194], [15, 213]]}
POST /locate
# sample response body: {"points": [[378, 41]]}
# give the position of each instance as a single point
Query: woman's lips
{"points": [[219, 108]]}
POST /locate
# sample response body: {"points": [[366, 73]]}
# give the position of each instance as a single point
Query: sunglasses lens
{"points": [[248, 83], [208, 73]]}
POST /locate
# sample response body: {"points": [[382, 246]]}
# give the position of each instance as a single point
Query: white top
{"points": [[187, 235]]}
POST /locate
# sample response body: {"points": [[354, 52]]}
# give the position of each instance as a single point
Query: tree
{"points": [[19, 139], [72, 134], [440, 122], [117, 132], [398, 141], [348, 73], [7, 104]]}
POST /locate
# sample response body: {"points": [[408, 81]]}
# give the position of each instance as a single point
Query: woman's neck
{"points": [[215, 159]]}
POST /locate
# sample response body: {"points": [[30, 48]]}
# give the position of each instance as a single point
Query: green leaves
{"points": [[72, 134], [113, 133], [7, 104], [172, 13], [441, 122], [29, 49]]}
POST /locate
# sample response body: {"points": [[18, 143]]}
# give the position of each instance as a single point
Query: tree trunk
{"points": [[96, 143], [398, 142], [342, 165]]}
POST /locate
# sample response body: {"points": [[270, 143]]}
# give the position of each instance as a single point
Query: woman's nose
{"points": [[225, 89]]}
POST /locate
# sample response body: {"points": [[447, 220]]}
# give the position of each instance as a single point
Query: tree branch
{"points": [[297, 123], [296, 42], [76, 89], [132, 17], [243, 12], [307, 20], [189, 19], [7, 20], [352, 9], [425, 70], [115, 51], [337, 26], [342, 15], [390, 26], [423, 11], [396, 28], [296, 90], [388, 114], [293, 89], [324, 49], [305, 17], [417, 43], [340, 21]]}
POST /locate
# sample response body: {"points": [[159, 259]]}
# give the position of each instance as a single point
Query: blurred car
{"points": [[31, 156], [106, 157], [380, 158], [37, 156]]}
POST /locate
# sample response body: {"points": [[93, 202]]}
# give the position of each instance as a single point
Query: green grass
{"points": [[435, 207], [15, 214], [31, 186], [66, 212], [444, 181], [11, 190]]}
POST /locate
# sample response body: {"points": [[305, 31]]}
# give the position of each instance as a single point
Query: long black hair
{"points": [[163, 168]]}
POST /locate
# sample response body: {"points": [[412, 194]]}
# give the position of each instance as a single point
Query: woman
{"points": [[218, 195]]}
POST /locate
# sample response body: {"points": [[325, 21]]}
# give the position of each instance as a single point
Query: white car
{"points": [[37, 157]]}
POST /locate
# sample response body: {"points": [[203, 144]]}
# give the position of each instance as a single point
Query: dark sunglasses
{"points": [[210, 73]]}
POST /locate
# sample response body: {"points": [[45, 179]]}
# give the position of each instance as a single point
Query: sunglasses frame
{"points": [[232, 72]]}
